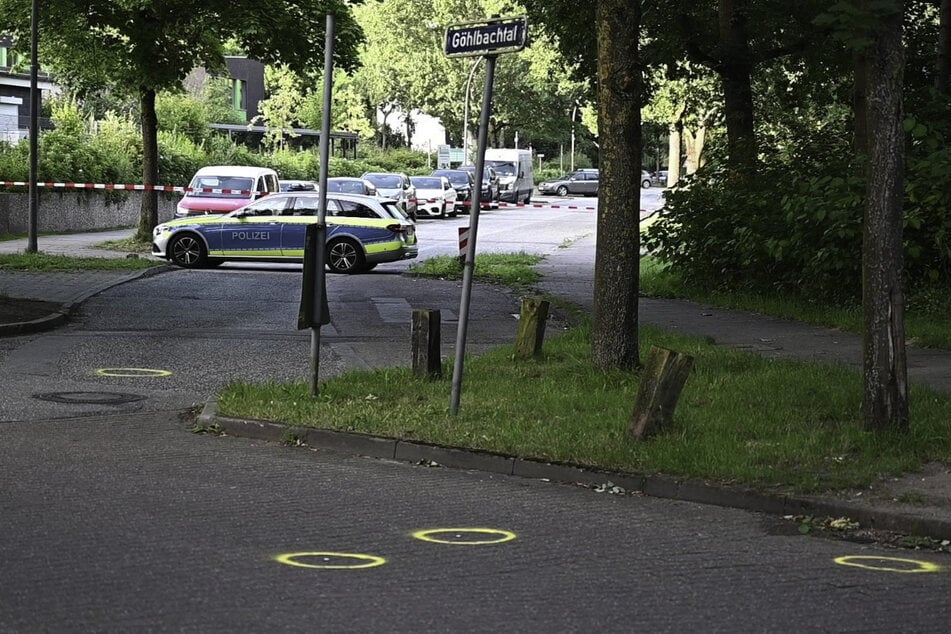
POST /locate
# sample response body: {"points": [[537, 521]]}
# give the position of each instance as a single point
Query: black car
{"points": [[490, 183], [463, 182]]}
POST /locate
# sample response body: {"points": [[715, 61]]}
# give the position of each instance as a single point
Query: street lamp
{"points": [[574, 111], [465, 116]]}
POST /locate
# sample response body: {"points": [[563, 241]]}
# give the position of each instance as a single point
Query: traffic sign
{"points": [[498, 35]]}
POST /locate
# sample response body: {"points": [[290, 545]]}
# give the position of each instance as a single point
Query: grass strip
{"points": [[774, 424], [43, 262], [501, 268]]}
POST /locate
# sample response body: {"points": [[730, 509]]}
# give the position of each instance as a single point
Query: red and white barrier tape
{"points": [[239, 192], [111, 186]]}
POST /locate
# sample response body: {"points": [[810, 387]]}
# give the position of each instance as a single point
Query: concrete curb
{"points": [[659, 486], [65, 311]]}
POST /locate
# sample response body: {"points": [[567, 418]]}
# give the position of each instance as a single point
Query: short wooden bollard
{"points": [[427, 360], [531, 327], [662, 380]]}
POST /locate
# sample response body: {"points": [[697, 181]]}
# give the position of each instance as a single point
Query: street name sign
{"points": [[498, 35]]}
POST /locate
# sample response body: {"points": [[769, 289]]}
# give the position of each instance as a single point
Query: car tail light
{"points": [[397, 228]]}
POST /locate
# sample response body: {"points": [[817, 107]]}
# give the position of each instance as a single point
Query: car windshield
{"points": [[456, 178], [427, 183], [502, 168], [234, 183], [346, 187], [385, 181]]}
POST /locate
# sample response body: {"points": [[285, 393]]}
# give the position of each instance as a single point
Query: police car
{"points": [[362, 231]]}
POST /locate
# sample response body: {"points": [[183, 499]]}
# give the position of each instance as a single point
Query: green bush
{"points": [[797, 226]]}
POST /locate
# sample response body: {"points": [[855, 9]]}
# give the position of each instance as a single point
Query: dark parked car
{"points": [[583, 182], [298, 186], [351, 185], [490, 183], [463, 182]]}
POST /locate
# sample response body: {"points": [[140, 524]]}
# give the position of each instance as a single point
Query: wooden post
{"points": [[427, 360], [531, 327], [662, 380]]}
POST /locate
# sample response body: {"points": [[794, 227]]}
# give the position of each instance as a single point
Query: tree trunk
{"points": [[885, 404], [148, 213], [943, 68], [614, 337], [674, 137], [736, 70], [694, 143]]}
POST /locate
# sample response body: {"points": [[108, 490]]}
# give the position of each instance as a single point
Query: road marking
{"points": [[457, 536], [364, 561], [913, 565], [132, 372]]}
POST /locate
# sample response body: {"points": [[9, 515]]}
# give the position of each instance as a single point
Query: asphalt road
{"points": [[114, 517]]}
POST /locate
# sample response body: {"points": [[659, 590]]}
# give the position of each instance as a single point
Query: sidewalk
{"points": [[569, 273]]}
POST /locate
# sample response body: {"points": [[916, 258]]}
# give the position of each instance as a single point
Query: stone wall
{"points": [[79, 210]]}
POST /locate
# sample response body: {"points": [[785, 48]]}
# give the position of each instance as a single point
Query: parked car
{"points": [[218, 189], [362, 231], [297, 186], [463, 182], [435, 195], [660, 177], [490, 184], [397, 186], [645, 179], [582, 181], [351, 185]]}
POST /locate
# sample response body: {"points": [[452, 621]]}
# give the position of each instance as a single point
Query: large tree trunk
{"points": [[736, 70], [694, 143], [614, 338], [885, 404], [148, 213], [943, 67]]}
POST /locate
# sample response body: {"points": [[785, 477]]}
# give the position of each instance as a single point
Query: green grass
{"points": [[503, 268], [46, 262], [775, 424], [126, 245], [927, 313]]}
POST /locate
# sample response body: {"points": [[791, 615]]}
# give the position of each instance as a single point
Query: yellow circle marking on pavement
{"points": [[456, 536], [324, 559], [913, 565], [132, 372]]}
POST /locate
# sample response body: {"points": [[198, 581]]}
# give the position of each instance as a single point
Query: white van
{"points": [[218, 189], [516, 176]]}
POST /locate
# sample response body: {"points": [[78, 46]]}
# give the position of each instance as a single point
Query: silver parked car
{"points": [[582, 182], [397, 186]]}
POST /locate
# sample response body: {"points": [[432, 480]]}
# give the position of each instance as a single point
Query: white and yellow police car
{"points": [[362, 232]]}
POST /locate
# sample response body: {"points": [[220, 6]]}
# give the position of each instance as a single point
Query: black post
{"points": [[32, 246]]}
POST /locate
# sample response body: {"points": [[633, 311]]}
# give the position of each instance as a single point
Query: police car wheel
{"points": [[187, 251], [345, 256]]}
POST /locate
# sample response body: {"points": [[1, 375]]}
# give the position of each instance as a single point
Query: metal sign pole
{"points": [[320, 251], [473, 233], [31, 246]]}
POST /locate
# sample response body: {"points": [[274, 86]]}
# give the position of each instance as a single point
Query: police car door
{"points": [[254, 230]]}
